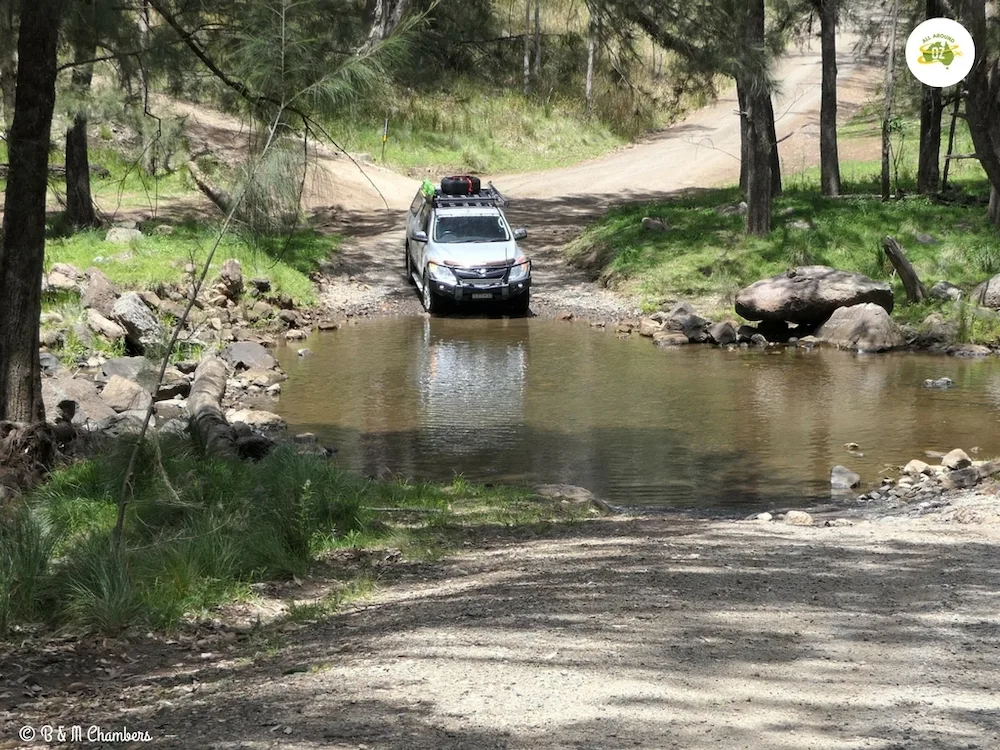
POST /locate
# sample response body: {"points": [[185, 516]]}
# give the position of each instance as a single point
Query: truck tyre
{"points": [[432, 302], [461, 185], [519, 306]]}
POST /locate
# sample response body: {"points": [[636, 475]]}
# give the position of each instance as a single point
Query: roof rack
{"points": [[486, 197]]}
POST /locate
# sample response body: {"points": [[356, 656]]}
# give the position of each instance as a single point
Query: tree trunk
{"points": [[8, 63], [759, 130], [527, 47], [915, 291], [207, 424], [829, 158], [79, 204], [741, 98], [760, 184], [538, 39], [772, 136], [928, 170], [951, 139], [981, 96], [589, 90], [23, 249], [890, 79]]}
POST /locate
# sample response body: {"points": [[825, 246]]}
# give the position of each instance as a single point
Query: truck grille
{"points": [[481, 276]]}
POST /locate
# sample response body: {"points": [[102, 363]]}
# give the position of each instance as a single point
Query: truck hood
{"points": [[475, 253]]}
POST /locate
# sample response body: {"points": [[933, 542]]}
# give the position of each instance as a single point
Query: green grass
{"points": [[706, 258], [199, 532], [143, 264], [469, 130]]}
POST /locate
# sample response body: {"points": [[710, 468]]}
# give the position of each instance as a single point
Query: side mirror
{"points": [[520, 233], [420, 236]]}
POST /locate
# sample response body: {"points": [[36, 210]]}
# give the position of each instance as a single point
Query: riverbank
{"points": [[650, 631]]}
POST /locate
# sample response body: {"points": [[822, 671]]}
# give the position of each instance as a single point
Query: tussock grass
{"points": [[199, 532], [705, 257]]}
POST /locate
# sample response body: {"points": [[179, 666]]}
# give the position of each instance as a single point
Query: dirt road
{"points": [[554, 205]]}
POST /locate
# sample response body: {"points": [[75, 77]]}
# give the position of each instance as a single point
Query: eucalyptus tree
{"points": [[22, 250], [731, 37]]}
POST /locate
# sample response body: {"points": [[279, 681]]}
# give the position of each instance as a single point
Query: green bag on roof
{"points": [[427, 188]]}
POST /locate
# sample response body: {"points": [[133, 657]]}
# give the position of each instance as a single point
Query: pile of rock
{"points": [[682, 325], [921, 482]]}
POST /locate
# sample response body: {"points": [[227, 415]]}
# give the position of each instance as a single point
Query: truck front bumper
{"points": [[470, 293]]}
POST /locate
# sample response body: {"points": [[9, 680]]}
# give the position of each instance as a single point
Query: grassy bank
{"points": [[704, 256], [200, 532]]}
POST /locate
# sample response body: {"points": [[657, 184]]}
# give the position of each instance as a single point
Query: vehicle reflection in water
{"points": [[528, 400], [472, 389]]}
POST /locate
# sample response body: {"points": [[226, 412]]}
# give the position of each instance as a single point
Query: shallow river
{"points": [[526, 401]]}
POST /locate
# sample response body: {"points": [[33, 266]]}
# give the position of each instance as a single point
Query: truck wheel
{"points": [[520, 304], [432, 302], [461, 185]]}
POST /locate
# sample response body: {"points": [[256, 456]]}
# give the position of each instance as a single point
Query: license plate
{"points": [[482, 295]]}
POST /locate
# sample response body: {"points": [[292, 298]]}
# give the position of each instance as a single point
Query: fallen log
{"points": [[915, 291], [208, 425], [221, 198]]}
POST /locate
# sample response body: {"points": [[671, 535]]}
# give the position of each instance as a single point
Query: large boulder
{"points": [[76, 398], [987, 294], [142, 329], [809, 294], [258, 418], [866, 327], [247, 355], [124, 395], [107, 328], [99, 293]]}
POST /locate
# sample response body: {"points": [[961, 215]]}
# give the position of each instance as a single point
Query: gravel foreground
{"points": [[651, 632]]}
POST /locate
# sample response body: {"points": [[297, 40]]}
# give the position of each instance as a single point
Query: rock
{"points": [[723, 333], [866, 327], [960, 479], [261, 285], [260, 310], [51, 339], [691, 325], [801, 224], [735, 209], [807, 342], [187, 366], [253, 447], [744, 333], [329, 325], [247, 355], [916, 468], [122, 235], [107, 328], [163, 230], [54, 281], [76, 398], [926, 239], [67, 270], [137, 369], [142, 329], [764, 517], [49, 362], [171, 408], [843, 478], [945, 290], [939, 383], [53, 318], [670, 338], [775, 331], [256, 418], [987, 294], [305, 438], [295, 335], [935, 329], [653, 225], [260, 377], [956, 459], [649, 327], [231, 278], [969, 350], [174, 385], [810, 294], [798, 518], [124, 395], [565, 315], [304, 352], [988, 469], [758, 340], [568, 493]]}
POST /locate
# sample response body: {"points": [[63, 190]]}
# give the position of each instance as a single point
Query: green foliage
{"points": [[155, 259], [705, 256], [199, 531]]}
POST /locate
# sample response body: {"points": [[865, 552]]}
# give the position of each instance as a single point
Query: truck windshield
{"points": [[470, 229]]}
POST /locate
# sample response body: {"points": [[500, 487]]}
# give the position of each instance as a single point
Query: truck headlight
{"points": [[519, 272], [441, 273]]}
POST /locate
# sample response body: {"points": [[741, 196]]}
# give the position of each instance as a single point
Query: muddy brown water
{"points": [[528, 400]]}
